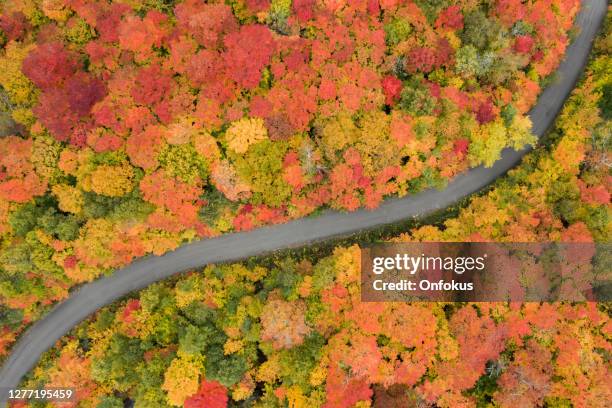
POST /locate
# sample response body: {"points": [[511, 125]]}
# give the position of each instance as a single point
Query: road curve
{"points": [[233, 247]]}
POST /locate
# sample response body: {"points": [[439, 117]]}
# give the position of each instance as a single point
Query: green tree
{"points": [[397, 30], [416, 99], [149, 391], [227, 370], [117, 366], [10, 317], [110, 401], [472, 63], [183, 162], [478, 30], [195, 339], [262, 167]]}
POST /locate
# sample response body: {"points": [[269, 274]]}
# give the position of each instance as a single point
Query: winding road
{"points": [[233, 247]]}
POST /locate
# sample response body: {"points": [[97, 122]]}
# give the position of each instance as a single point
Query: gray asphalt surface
{"points": [[232, 247]]}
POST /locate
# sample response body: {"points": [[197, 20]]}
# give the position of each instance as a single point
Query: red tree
{"points": [[248, 51], [392, 87], [49, 64], [210, 395]]}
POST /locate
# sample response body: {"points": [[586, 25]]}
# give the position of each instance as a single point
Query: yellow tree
{"points": [[112, 181], [245, 132], [182, 378]]}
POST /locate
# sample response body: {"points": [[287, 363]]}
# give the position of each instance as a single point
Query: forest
{"points": [[291, 331], [141, 125], [296, 334]]}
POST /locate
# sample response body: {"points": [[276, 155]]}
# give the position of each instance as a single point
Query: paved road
{"points": [[232, 247]]}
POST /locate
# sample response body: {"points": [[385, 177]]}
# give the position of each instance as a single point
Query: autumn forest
{"points": [[129, 128]]}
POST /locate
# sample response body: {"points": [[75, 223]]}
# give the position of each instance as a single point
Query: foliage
{"points": [[210, 394], [200, 89], [326, 348], [149, 124]]}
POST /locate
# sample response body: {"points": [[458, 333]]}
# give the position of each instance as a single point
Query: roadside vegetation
{"points": [[290, 331], [145, 125]]}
